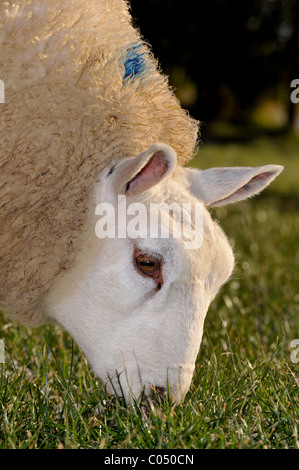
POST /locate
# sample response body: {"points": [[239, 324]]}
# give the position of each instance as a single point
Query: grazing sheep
{"points": [[85, 111]]}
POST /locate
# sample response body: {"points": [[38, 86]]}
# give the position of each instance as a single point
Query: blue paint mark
{"points": [[135, 63]]}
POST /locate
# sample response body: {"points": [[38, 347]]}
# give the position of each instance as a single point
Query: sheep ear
{"points": [[220, 186], [136, 175]]}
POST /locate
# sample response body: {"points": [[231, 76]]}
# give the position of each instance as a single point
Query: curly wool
{"points": [[81, 88]]}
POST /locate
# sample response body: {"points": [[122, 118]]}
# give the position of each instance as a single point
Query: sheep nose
{"points": [[159, 390], [158, 393]]}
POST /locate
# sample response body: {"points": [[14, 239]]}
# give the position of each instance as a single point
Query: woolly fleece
{"points": [[70, 107]]}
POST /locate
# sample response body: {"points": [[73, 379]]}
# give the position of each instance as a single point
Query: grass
{"points": [[245, 392]]}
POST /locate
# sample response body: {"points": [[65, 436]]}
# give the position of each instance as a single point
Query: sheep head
{"points": [[136, 298]]}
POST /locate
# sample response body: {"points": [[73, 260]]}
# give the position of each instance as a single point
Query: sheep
{"points": [[88, 118]]}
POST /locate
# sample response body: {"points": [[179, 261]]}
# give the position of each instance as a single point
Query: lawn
{"points": [[245, 392]]}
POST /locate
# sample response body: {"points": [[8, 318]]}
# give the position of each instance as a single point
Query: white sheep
{"points": [[85, 111]]}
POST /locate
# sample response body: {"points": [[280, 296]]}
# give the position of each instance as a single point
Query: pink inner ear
{"points": [[149, 175], [251, 185]]}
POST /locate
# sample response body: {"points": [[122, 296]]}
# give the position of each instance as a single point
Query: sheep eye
{"points": [[148, 265]]}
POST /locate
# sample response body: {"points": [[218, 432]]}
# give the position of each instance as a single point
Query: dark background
{"points": [[229, 61]]}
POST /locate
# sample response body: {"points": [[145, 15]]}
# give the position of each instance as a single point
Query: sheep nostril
{"points": [[155, 399], [158, 393], [159, 390]]}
